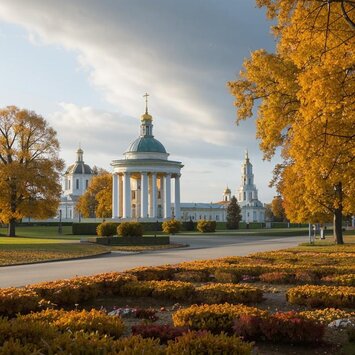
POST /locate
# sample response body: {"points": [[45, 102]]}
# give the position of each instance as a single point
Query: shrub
{"points": [[188, 226], [232, 293], [174, 290], [143, 313], [106, 229], [308, 277], [192, 276], [323, 296], [153, 273], [326, 315], [18, 300], [66, 292], [130, 229], [282, 327], [137, 289], [87, 321], [164, 332], [207, 343], [248, 327], [289, 327], [226, 275], [84, 228], [206, 226], [276, 277], [172, 227], [215, 318], [346, 280]]}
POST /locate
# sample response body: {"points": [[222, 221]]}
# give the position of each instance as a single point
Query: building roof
{"points": [[146, 144], [79, 168]]}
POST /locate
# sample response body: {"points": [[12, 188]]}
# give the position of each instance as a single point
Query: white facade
{"points": [[203, 211], [143, 179], [247, 195], [76, 180]]}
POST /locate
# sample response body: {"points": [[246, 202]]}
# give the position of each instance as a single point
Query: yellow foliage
{"points": [[97, 199], [29, 167], [307, 91]]}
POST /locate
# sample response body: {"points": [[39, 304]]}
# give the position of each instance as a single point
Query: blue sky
{"points": [[84, 65]]}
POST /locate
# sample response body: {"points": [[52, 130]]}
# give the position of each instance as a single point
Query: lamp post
{"points": [[60, 229]]}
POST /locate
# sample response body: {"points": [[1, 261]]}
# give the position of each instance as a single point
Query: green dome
{"points": [[146, 144]]}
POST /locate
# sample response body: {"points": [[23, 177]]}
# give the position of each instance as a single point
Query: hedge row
{"points": [[80, 289], [322, 296], [251, 323]]}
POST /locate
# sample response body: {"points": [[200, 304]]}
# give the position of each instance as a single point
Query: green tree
{"points": [[233, 214], [29, 167]]}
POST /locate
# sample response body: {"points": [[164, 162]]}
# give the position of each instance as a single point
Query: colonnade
{"points": [[147, 196]]}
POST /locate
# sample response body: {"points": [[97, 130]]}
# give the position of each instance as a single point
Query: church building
{"points": [[247, 195], [142, 180], [75, 182]]}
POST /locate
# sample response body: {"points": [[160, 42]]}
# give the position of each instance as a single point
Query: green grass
{"points": [[43, 232]]}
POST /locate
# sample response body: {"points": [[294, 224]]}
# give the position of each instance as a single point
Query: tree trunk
{"points": [[338, 216], [11, 230]]}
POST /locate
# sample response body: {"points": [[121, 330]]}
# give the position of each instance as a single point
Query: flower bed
{"points": [[231, 293], [215, 318], [323, 296]]}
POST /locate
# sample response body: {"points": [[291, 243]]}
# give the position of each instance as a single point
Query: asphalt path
{"points": [[200, 247]]}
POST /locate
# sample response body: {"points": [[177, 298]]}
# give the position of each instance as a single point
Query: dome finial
{"points": [[246, 154], [146, 102], [146, 116]]}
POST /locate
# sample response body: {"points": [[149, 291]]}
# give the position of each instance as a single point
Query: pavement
{"points": [[200, 247]]}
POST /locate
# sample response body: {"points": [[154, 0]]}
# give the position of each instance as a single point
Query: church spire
{"points": [[146, 120], [79, 154]]}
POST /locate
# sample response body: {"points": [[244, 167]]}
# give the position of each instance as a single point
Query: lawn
{"points": [[17, 250]]}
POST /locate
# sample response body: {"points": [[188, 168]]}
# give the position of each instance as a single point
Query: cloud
{"points": [[181, 52]]}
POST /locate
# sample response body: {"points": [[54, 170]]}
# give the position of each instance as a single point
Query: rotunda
{"points": [[142, 179]]}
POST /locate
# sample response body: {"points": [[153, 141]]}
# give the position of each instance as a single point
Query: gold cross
{"points": [[146, 102]]}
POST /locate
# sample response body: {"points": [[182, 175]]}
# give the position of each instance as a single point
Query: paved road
{"points": [[201, 247]]}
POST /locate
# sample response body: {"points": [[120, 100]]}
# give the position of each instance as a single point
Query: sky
{"points": [[84, 65]]}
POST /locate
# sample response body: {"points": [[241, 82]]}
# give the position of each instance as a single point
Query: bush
{"points": [[192, 276], [84, 228], [220, 293], [346, 280], [282, 327], [288, 327], [215, 317], [153, 273], [18, 300], [206, 226], [106, 229], [323, 296], [307, 277], [207, 343], [130, 229], [326, 315], [226, 275], [189, 226], [164, 332], [172, 227], [87, 321], [276, 277]]}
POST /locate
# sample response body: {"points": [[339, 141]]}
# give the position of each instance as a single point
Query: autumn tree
{"points": [[278, 209], [233, 214], [97, 199], [305, 91], [29, 167]]}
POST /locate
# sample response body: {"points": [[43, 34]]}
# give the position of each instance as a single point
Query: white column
{"points": [[114, 196], [154, 197], [177, 198], [120, 196], [167, 196], [144, 195], [127, 195]]}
